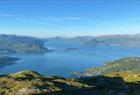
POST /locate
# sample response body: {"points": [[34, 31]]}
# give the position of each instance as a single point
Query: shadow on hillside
{"points": [[99, 85], [111, 86]]}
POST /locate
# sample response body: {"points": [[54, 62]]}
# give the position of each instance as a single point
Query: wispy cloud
{"points": [[40, 20], [52, 19], [33, 21], [30, 21], [6, 15], [73, 18], [61, 19], [69, 18]]}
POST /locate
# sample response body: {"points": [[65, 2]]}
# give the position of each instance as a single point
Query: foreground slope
{"points": [[32, 83]]}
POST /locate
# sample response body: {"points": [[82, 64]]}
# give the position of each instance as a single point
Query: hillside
{"points": [[131, 64], [32, 83], [6, 60], [20, 44]]}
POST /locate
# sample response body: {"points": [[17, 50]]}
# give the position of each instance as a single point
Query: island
{"points": [[71, 49]]}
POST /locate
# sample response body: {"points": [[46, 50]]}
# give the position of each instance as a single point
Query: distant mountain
{"points": [[95, 42], [131, 64], [85, 40], [20, 44], [107, 40], [112, 40], [121, 40]]}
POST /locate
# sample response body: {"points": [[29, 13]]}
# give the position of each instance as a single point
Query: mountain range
{"points": [[20, 44], [106, 40]]}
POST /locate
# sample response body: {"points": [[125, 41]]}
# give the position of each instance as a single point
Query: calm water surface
{"points": [[62, 62]]}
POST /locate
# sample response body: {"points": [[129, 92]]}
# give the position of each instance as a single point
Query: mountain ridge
{"points": [[126, 40], [20, 44]]}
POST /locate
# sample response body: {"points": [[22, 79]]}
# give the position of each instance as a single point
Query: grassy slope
{"points": [[131, 64], [32, 83]]}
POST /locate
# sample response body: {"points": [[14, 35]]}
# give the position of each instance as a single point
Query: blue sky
{"points": [[46, 18]]}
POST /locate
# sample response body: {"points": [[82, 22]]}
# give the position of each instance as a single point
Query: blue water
{"points": [[62, 62]]}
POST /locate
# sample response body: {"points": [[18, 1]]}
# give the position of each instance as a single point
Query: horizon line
{"points": [[100, 35]]}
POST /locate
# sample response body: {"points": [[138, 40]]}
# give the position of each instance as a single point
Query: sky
{"points": [[67, 18]]}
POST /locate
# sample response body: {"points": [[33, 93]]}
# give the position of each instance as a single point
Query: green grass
{"points": [[131, 64], [32, 83]]}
